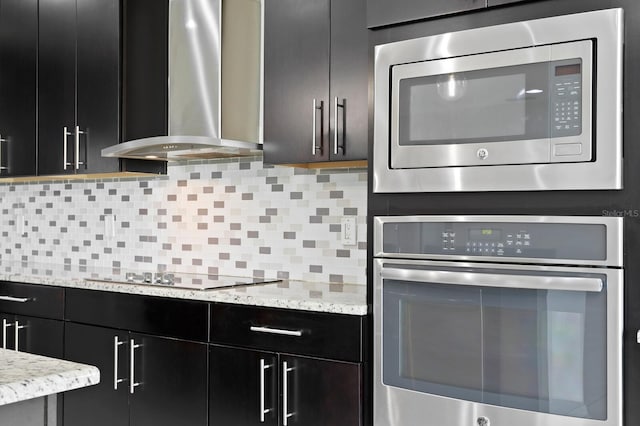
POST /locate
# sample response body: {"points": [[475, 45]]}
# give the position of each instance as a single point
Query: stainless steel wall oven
{"points": [[498, 321], [533, 105]]}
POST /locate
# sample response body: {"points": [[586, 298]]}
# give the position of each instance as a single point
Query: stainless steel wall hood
{"points": [[215, 84]]}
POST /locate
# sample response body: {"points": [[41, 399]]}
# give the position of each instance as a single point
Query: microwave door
{"points": [[522, 106]]}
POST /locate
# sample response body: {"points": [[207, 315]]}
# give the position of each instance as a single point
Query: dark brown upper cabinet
{"points": [[385, 12], [18, 66], [316, 81], [78, 85]]}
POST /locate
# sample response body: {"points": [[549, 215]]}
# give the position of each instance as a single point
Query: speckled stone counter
{"points": [[25, 376], [347, 299]]}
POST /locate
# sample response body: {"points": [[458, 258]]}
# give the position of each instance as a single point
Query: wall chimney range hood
{"points": [[214, 87]]}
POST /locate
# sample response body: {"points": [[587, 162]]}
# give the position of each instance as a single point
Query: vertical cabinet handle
{"points": [[285, 393], [263, 410], [16, 330], [77, 161], [116, 345], [5, 327], [314, 127], [65, 150], [132, 381], [2, 167], [336, 140]]}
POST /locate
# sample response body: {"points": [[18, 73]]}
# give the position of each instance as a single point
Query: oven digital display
{"points": [[567, 69], [485, 234]]}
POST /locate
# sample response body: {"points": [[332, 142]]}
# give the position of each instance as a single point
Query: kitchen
{"points": [[245, 217]]}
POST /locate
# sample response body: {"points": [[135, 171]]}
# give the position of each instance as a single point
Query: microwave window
{"points": [[487, 105]]}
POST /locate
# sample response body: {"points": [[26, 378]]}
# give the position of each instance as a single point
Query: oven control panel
{"points": [[489, 239]]}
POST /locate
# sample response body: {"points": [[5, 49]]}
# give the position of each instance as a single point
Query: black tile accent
{"points": [[264, 250], [289, 235], [315, 219], [351, 211], [322, 211], [343, 253], [336, 194], [277, 188], [295, 195], [315, 269], [309, 244]]}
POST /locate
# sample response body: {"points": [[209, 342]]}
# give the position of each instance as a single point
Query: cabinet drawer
{"points": [[316, 334], [32, 299], [184, 319]]}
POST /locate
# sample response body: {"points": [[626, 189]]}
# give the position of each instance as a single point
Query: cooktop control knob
{"points": [[483, 421]]}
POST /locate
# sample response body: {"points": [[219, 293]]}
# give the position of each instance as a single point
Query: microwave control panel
{"points": [[566, 99], [524, 240]]}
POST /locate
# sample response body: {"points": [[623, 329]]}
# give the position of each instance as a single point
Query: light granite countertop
{"points": [[347, 299], [25, 376]]}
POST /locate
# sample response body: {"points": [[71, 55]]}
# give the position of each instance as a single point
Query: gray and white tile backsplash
{"points": [[233, 217]]}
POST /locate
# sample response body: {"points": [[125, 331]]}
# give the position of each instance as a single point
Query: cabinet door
{"points": [[296, 72], [349, 80], [7, 322], [56, 84], [319, 392], [98, 85], [101, 404], [172, 382], [243, 383], [39, 336], [18, 56], [385, 12]]}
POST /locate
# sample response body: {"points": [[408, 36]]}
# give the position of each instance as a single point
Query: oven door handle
{"points": [[479, 279]]}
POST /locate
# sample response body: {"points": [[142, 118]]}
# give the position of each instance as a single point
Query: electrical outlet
{"points": [[109, 226], [349, 237], [21, 225]]}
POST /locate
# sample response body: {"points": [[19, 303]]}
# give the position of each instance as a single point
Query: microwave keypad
{"points": [[566, 102]]}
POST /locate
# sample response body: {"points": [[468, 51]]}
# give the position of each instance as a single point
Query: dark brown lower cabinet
{"points": [[38, 336], [250, 387], [145, 380]]}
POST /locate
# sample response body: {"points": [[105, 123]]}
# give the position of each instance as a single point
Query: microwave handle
{"points": [[480, 279]]}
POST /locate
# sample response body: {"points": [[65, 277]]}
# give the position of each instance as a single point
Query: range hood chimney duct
{"points": [[214, 87]]}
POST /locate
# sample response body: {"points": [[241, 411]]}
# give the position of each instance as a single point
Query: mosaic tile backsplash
{"points": [[232, 217]]}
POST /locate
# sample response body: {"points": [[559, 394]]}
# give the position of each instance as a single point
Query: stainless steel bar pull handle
{"points": [[116, 345], [269, 330], [314, 127], [16, 330], [2, 167], [65, 150], [5, 327], [132, 381], [336, 140], [480, 279], [285, 393], [77, 148], [263, 410], [14, 299]]}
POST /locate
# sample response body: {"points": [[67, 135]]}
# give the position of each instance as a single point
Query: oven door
{"points": [[477, 344], [522, 106]]}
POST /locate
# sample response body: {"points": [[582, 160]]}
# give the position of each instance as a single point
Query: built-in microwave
{"points": [[533, 105]]}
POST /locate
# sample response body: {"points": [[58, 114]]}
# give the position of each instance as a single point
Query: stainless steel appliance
{"points": [[498, 321], [214, 87], [533, 105]]}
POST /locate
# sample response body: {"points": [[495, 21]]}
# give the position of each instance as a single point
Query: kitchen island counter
{"points": [[25, 376]]}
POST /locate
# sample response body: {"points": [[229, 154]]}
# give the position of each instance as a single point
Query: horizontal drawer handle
{"points": [[296, 333], [14, 299]]}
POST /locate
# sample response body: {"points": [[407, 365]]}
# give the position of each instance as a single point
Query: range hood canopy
{"points": [[181, 148], [214, 87]]}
